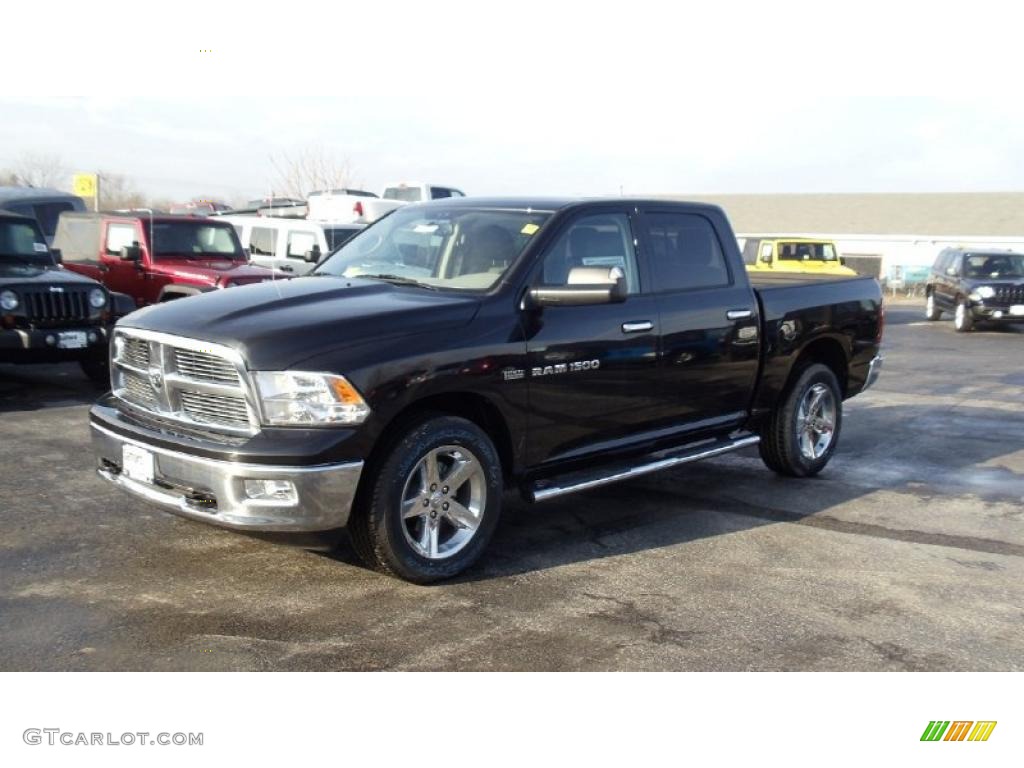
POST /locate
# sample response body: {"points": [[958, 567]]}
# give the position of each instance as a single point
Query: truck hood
{"points": [[277, 324], [210, 271]]}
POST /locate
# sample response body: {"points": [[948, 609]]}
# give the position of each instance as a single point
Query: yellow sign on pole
{"points": [[84, 184]]}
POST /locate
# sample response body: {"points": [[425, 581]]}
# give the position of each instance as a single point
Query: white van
{"points": [[289, 245]]}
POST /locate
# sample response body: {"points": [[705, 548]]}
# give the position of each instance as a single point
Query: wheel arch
{"points": [[828, 351]]}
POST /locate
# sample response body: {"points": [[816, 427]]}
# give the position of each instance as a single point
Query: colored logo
{"points": [[958, 730]]}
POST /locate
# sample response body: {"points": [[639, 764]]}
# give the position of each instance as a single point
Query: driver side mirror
{"points": [[131, 253], [766, 258], [313, 255], [584, 286], [952, 271]]}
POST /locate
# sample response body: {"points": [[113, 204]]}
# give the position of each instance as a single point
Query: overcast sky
{"points": [[580, 98]]}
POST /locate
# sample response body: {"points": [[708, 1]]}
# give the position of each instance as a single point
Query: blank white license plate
{"points": [[72, 340], [1017, 310], [137, 463]]}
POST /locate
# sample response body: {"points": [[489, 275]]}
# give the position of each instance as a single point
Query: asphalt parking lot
{"points": [[906, 554]]}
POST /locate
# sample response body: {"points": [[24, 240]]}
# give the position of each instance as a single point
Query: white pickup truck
{"points": [[361, 207]]}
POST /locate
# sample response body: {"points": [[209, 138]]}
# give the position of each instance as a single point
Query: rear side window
{"points": [[436, 193], [263, 241], [118, 236], [685, 252], [603, 241]]}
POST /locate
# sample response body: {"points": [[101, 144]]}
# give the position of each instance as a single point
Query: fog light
{"points": [[997, 314], [271, 490], [93, 337], [51, 339]]}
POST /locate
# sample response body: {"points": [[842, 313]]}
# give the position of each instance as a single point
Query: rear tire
{"points": [[801, 435], [963, 319], [431, 505], [931, 310]]}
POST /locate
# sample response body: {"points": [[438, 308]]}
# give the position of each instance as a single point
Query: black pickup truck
{"points": [[458, 348], [49, 314]]}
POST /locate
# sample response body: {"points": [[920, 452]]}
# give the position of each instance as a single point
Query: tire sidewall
{"points": [[968, 320], [405, 454], [812, 375]]}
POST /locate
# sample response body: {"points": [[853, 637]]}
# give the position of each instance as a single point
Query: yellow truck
{"points": [[793, 254]]}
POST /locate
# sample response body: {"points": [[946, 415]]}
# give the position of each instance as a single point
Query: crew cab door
{"points": [[591, 370], [120, 275], [709, 320]]}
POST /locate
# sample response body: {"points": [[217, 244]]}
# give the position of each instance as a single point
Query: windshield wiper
{"points": [[399, 280]]}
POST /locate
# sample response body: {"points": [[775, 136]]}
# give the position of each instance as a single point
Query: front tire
{"points": [[963, 319], [931, 310], [433, 502], [801, 435], [98, 370]]}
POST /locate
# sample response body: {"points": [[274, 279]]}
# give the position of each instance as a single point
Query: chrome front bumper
{"points": [[214, 491], [874, 368]]}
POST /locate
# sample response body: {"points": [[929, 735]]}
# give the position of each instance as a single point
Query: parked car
{"points": [[359, 206], [156, 258], [793, 254], [200, 207], [289, 245], [461, 347], [49, 314], [976, 286], [44, 205]]}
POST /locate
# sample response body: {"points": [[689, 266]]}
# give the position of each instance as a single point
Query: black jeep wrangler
{"points": [[49, 314]]}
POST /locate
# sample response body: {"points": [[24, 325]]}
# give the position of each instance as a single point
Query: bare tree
{"points": [[309, 169], [118, 191], [37, 169]]}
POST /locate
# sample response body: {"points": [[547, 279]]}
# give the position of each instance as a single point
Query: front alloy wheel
{"points": [[428, 507], [443, 502], [963, 318]]}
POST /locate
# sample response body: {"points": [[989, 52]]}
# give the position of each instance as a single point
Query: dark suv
{"points": [[49, 314], [976, 286]]}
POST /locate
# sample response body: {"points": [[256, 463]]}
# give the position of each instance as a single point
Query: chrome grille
{"points": [[1010, 294], [214, 409], [184, 380], [205, 366], [65, 306]]}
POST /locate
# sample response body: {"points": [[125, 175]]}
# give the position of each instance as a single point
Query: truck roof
{"points": [[30, 193], [140, 215], [556, 203]]}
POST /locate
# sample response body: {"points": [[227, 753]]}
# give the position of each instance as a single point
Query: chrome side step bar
{"points": [[584, 480]]}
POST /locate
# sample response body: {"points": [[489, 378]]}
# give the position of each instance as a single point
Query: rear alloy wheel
{"points": [[432, 503], [802, 433], [931, 311], [963, 318]]}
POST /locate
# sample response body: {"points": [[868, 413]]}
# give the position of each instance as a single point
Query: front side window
{"points": [[195, 239], [437, 193], [458, 248], [685, 252], [119, 236], [601, 240]]}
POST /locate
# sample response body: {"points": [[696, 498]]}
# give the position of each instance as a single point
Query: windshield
{"points": [[407, 194], [460, 248], [22, 247], [196, 239], [992, 266], [807, 251]]}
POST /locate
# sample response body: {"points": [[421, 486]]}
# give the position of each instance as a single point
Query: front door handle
{"points": [[286, 268], [739, 314], [637, 327]]}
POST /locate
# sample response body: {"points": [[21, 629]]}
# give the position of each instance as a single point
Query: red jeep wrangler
{"points": [[155, 258]]}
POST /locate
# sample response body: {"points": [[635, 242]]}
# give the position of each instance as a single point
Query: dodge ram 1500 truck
{"points": [[457, 348]]}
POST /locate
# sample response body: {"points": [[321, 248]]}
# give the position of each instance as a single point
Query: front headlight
{"points": [[297, 398], [985, 292], [8, 300], [97, 298]]}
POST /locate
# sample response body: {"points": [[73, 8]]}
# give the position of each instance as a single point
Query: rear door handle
{"points": [[739, 314], [637, 327]]}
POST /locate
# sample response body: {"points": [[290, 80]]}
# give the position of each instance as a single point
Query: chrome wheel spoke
{"points": [[431, 472], [413, 508], [463, 469], [461, 517]]}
